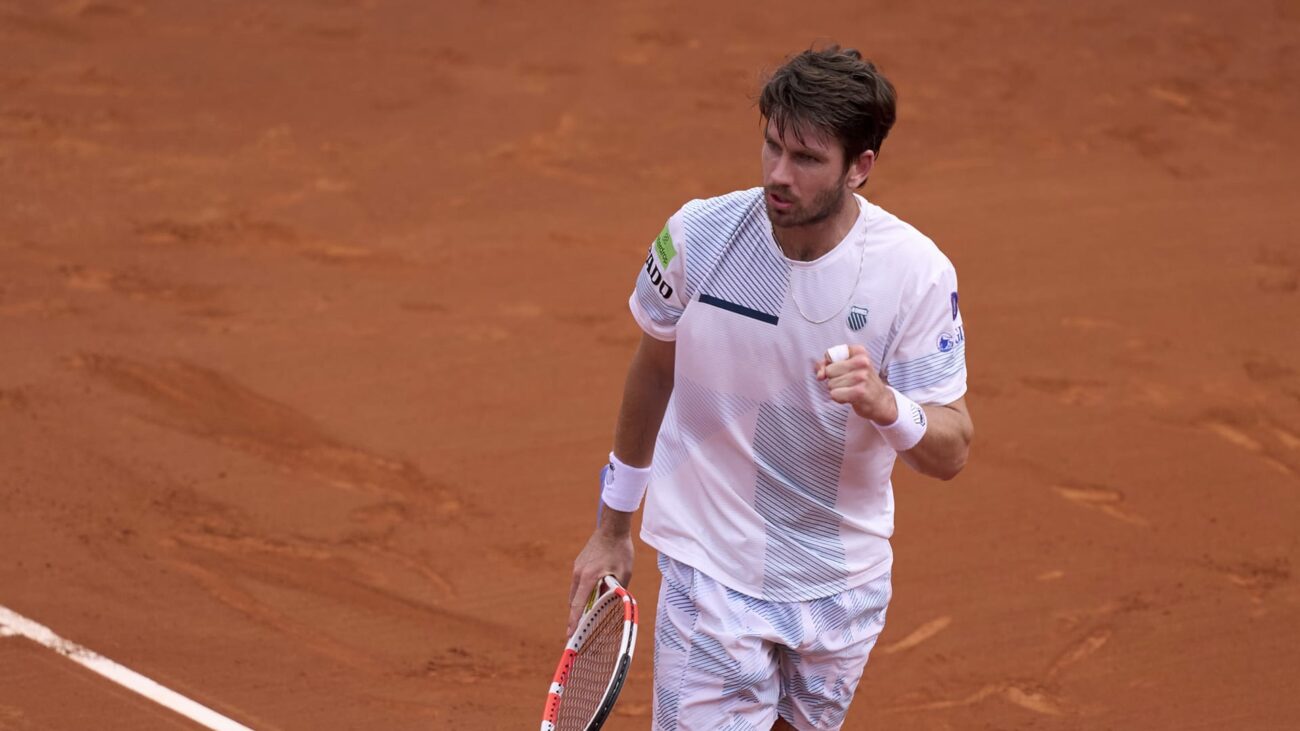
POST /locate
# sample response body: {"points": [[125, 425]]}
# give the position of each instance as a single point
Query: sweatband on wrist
{"points": [[908, 428], [624, 485]]}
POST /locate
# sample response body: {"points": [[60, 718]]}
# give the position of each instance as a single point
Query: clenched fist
{"points": [[854, 381]]}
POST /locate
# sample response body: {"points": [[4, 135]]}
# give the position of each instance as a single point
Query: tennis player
{"points": [[797, 339]]}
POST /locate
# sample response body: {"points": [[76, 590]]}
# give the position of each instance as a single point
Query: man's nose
{"points": [[780, 174]]}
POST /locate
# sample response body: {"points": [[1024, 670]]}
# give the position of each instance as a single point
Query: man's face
{"points": [[805, 182]]}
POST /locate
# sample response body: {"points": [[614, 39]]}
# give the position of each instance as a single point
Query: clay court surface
{"points": [[313, 325]]}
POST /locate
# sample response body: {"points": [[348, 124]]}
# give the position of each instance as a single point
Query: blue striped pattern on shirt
{"points": [[929, 370]]}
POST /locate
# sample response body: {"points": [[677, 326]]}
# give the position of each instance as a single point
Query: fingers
{"points": [[857, 360], [847, 395], [838, 353], [573, 585], [603, 556], [577, 602], [839, 360], [861, 377]]}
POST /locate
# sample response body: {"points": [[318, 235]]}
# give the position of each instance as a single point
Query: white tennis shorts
{"points": [[724, 660]]}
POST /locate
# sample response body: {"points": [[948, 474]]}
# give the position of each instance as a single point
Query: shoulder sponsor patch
{"points": [[664, 249], [954, 298], [949, 340], [657, 276]]}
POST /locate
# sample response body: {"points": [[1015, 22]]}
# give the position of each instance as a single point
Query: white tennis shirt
{"points": [[760, 480]]}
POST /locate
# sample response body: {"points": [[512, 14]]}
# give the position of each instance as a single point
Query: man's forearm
{"points": [[645, 398], [942, 452]]}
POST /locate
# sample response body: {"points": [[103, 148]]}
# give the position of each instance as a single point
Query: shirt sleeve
{"points": [[929, 364], [659, 297]]}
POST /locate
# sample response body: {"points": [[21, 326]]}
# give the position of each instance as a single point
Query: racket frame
{"points": [[613, 592]]}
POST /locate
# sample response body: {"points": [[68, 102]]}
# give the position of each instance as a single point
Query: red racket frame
{"points": [[613, 592]]}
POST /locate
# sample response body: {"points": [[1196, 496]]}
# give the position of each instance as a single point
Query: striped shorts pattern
{"points": [[725, 660]]}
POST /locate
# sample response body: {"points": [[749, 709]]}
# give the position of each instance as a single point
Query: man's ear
{"points": [[860, 169]]}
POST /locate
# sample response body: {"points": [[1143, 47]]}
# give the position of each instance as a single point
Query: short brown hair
{"points": [[834, 91]]}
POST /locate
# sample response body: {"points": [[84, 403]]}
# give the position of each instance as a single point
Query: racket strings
{"points": [[593, 668]]}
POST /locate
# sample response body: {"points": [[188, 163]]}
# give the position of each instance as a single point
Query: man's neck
{"points": [[812, 241]]}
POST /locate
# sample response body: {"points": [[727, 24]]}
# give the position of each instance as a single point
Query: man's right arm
{"points": [[645, 398]]}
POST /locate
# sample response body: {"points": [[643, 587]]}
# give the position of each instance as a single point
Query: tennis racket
{"points": [[595, 662]]}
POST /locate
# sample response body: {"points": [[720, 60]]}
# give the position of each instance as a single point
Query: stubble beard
{"points": [[824, 205]]}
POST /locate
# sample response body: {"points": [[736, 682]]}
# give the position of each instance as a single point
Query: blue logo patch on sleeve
{"points": [[948, 341], [954, 305]]}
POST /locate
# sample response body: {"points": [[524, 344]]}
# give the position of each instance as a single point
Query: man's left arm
{"points": [[944, 447], [946, 430]]}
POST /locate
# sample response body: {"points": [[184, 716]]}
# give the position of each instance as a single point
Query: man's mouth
{"points": [[779, 202]]}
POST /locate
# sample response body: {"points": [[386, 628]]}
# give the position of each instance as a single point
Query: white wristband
{"points": [[908, 428], [624, 485]]}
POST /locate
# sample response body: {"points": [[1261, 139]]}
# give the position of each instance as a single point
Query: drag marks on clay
{"points": [[1069, 391], [1232, 435], [1089, 632], [525, 555], [1023, 694], [217, 230], [1106, 500], [1266, 370], [1087, 324], [607, 329], [463, 666], [1286, 438], [361, 553], [73, 80], [348, 600], [374, 526], [1042, 696], [210, 405], [1081, 650], [1257, 577], [1034, 699], [132, 285], [45, 308], [12, 718], [1258, 435], [231, 594], [575, 150], [43, 130], [917, 636], [1075, 620], [1277, 272], [1155, 145], [242, 231]]}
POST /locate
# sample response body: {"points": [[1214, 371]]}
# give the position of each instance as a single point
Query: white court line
{"points": [[15, 624]]}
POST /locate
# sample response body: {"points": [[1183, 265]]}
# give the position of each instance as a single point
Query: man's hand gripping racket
{"points": [[595, 661]]}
